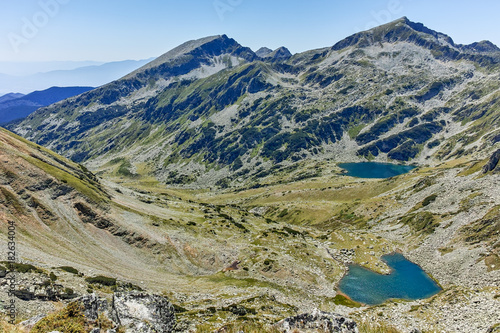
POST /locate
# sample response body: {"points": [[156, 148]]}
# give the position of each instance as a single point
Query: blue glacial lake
{"points": [[375, 169], [407, 281]]}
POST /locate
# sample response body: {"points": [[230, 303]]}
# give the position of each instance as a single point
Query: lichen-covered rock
{"points": [[318, 320], [143, 313], [93, 305]]}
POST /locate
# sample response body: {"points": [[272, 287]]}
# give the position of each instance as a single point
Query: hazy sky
{"points": [[109, 30]]}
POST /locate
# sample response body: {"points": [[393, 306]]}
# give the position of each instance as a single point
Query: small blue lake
{"points": [[375, 169], [407, 281]]}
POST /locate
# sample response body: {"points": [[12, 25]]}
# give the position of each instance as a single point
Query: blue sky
{"points": [[110, 30]]}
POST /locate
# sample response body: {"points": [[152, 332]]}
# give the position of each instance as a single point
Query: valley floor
{"points": [[262, 254]]}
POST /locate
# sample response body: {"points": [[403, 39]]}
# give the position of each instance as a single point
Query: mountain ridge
{"points": [[389, 93]]}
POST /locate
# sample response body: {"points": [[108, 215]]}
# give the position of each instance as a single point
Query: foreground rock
{"points": [[93, 306], [143, 313], [135, 312], [318, 320]]}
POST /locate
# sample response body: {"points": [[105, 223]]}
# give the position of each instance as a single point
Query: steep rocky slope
{"points": [[211, 110]]}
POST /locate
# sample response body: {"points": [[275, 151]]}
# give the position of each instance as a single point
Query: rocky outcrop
{"points": [[143, 313], [318, 320], [492, 164], [93, 305], [30, 289], [136, 312]]}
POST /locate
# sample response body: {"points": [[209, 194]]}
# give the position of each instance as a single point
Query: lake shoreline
{"points": [[374, 170], [406, 280]]}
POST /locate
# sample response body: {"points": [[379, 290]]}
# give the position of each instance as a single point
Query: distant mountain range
{"points": [[24, 68], [94, 76], [212, 110], [17, 106], [10, 96]]}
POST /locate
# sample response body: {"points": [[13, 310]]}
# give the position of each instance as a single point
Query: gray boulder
{"points": [[318, 320], [93, 305], [140, 312]]}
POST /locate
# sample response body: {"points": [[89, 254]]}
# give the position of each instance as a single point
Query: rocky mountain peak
{"points": [[195, 52], [400, 30], [263, 52], [280, 53], [482, 47]]}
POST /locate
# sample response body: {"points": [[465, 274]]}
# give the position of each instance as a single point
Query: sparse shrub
{"points": [[103, 280], [52, 276], [22, 268]]}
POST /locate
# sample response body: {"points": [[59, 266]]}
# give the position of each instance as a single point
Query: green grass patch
{"points": [[342, 300], [354, 130], [477, 166], [423, 222], [485, 229], [85, 188]]}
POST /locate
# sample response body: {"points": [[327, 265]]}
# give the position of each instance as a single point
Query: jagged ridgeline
{"points": [[212, 110]]}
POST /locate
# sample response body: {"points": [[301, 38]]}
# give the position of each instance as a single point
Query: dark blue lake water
{"points": [[375, 169], [407, 281]]}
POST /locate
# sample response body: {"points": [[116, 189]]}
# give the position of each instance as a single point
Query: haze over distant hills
{"points": [[17, 106], [10, 96], [30, 68], [93, 74]]}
